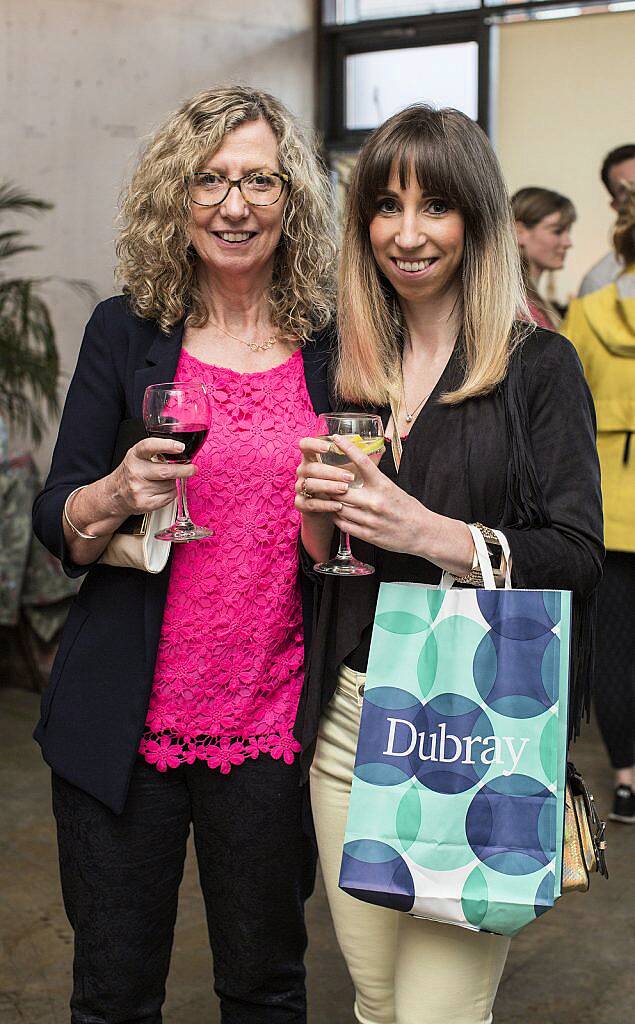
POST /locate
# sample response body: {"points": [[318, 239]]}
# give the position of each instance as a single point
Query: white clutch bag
{"points": [[134, 545]]}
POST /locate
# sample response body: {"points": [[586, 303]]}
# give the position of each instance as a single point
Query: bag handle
{"points": [[482, 555], [504, 543]]}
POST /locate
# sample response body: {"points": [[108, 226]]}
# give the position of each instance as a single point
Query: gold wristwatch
{"points": [[474, 578]]}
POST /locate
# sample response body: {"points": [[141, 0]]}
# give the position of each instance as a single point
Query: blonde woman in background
{"points": [[601, 325], [173, 696], [543, 227], [485, 406]]}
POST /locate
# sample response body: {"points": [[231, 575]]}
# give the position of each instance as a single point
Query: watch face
{"points": [[495, 553]]}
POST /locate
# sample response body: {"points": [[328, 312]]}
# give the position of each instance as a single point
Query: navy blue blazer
{"points": [[94, 708]]}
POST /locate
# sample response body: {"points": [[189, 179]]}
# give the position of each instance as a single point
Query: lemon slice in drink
{"points": [[370, 445]]}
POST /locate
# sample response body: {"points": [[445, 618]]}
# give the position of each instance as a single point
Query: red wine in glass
{"points": [[179, 411], [191, 436]]}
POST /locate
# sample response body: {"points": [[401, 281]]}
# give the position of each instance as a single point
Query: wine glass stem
{"points": [[182, 512], [344, 550]]}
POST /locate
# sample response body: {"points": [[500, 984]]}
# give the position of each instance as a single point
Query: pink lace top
{"points": [[229, 665]]}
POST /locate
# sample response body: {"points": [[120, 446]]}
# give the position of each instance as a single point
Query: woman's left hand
{"points": [[382, 514], [379, 512]]}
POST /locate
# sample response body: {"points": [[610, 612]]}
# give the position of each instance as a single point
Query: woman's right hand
{"points": [[319, 491], [143, 482], [319, 488]]}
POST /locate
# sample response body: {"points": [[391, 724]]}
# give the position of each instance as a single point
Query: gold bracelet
{"points": [[78, 533], [474, 578]]}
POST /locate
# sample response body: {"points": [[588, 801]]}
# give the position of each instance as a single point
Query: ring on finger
{"points": [[305, 492]]}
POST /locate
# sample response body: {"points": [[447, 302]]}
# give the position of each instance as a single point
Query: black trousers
{"points": [[615, 663], [121, 874]]}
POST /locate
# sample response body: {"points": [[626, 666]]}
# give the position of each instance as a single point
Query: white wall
{"points": [[566, 93], [82, 82]]}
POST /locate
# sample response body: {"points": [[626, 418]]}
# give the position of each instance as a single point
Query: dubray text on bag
{"points": [[457, 805]]}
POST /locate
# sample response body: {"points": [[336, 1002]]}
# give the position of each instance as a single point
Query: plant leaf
{"points": [[14, 200], [10, 246], [29, 360]]}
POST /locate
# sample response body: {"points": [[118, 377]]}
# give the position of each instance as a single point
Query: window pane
{"points": [[499, 3], [382, 82], [349, 11]]}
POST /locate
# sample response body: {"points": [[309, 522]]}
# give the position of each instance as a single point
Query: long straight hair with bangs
{"points": [[452, 160]]}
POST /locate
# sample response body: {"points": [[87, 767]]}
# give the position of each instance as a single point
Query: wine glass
{"points": [[179, 412], [367, 432]]}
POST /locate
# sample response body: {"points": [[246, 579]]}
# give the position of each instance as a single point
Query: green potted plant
{"points": [[34, 594], [29, 361]]}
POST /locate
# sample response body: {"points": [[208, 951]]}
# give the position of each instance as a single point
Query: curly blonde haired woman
{"points": [[173, 696]]}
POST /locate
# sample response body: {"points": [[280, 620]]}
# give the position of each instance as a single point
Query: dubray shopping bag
{"points": [[457, 805]]}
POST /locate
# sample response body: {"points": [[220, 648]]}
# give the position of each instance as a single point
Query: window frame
{"points": [[341, 41], [336, 42]]}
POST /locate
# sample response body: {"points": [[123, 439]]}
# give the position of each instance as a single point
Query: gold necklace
{"points": [[254, 346], [411, 415]]}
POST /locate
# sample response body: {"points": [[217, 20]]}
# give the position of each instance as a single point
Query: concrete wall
{"points": [[84, 81], [565, 98]]}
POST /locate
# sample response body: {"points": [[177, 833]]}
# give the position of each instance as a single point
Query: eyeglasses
{"points": [[259, 188]]}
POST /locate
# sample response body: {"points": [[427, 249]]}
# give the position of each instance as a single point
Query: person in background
{"points": [[618, 169], [173, 697], [430, 292], [601, 325], [543, 229]]}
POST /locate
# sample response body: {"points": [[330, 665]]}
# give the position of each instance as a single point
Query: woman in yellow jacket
{"points": [[601, 325]]}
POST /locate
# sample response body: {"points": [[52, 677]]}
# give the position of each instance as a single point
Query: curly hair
{"points": [[156, 259]]}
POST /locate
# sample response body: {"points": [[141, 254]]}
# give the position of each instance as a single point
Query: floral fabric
{"points": [[229, 666]]}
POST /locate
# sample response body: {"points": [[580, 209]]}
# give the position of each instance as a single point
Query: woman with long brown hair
{"points": [[543, 221], [496, 427]]}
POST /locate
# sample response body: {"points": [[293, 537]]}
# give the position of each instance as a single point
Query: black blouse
{"points": [[456, 462]]}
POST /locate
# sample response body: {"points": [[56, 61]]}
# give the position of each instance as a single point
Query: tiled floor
{"points": [[574, 966]]}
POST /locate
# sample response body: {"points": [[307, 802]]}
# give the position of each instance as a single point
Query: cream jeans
{"points": [[405, 970]]}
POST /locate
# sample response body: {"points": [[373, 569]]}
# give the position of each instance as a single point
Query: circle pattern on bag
{"points": [[516, 806], [381, 874], [516, 663], [371, 765], [460, 742], [448, 756]]}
